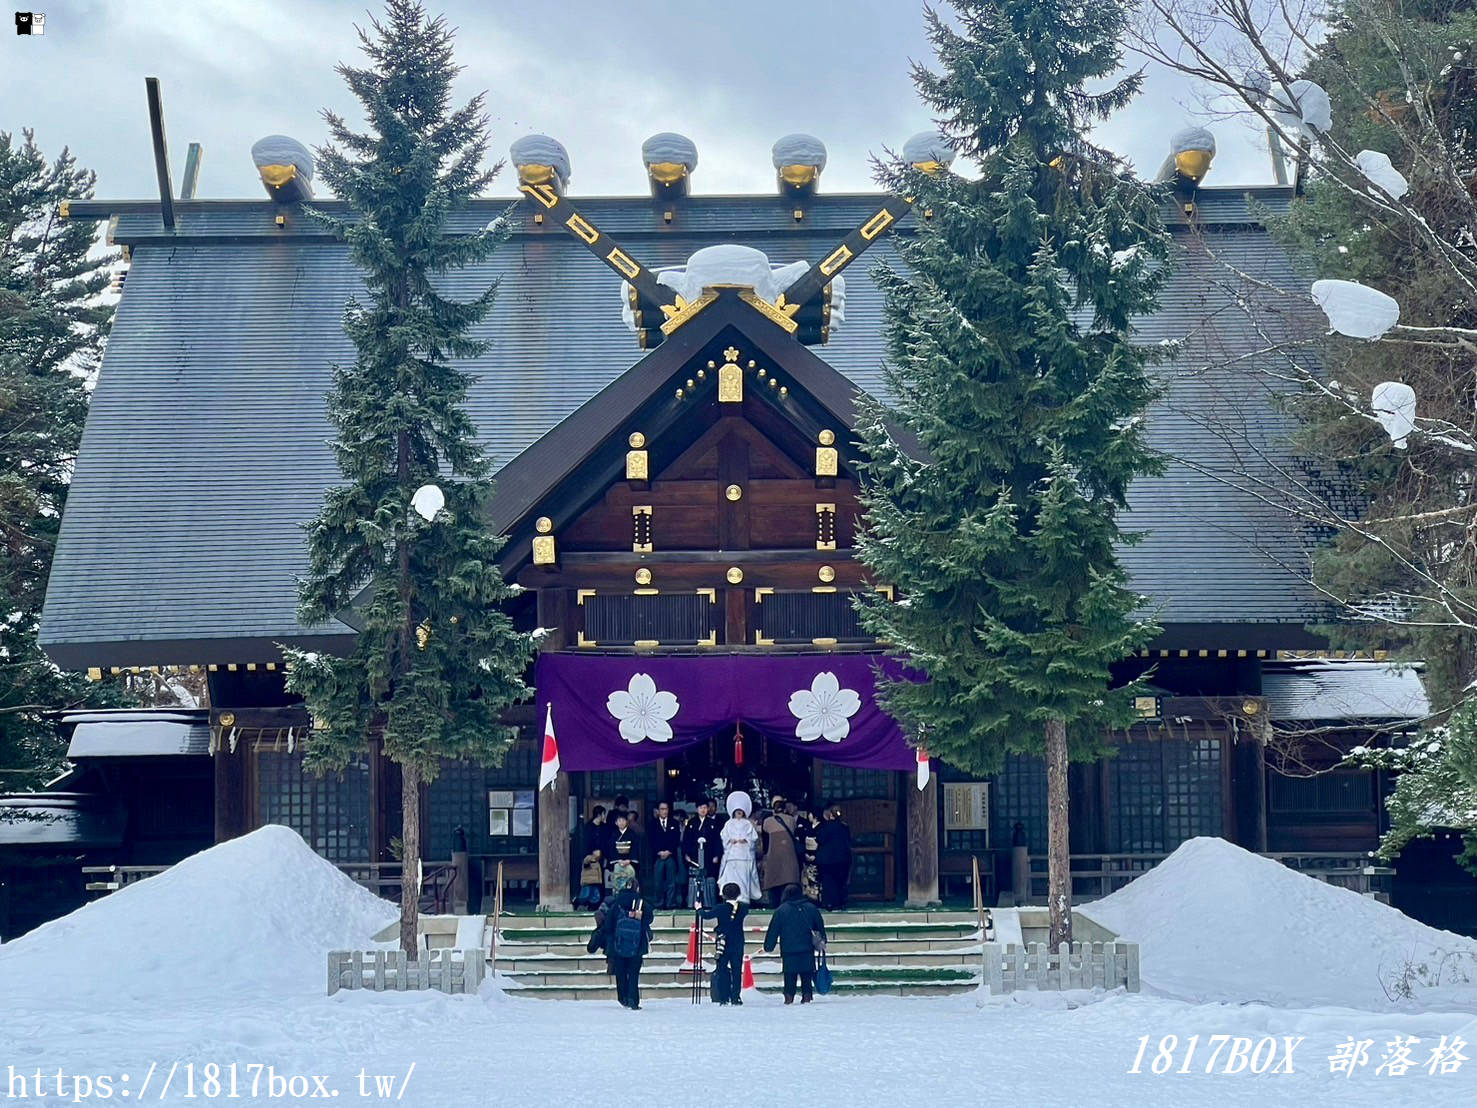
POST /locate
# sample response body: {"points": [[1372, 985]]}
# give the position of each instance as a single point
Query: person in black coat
{"points": [[833, 859], [728, 973], [627, 968], [793, 924], [667, 869], [704, 826]]}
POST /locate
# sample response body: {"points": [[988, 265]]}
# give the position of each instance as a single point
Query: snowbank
{"points": [[1216, 922], [249, 918]]}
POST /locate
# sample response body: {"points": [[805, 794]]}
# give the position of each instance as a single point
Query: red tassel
{"points": [[738, 746]]}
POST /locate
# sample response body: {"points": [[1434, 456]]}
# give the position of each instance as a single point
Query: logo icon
{"points": [[30, 23]]}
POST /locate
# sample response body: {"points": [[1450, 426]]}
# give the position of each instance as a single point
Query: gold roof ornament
{"points": [[670, 159], [285, 167], [929, 151], [1192, 150], [541, 160], [798, 161]]}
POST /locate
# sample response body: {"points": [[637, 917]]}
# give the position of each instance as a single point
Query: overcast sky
{"points": [[599, 75]]}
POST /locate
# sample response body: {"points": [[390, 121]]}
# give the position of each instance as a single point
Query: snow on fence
{"points": [[1010, 967], [389, 970]]}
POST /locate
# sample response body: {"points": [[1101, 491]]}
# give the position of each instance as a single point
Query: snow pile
{"points": [[1356, 310], [1218, 923], [1394, 406], [1379, 170], [732, 264], [1307, 114], [249, 918]]}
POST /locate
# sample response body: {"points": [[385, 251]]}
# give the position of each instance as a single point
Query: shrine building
{"points": [[670, 393]]}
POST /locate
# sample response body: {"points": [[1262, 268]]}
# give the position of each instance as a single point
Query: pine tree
{"points": [[438, 658], [53, 324], [1010, 359]]}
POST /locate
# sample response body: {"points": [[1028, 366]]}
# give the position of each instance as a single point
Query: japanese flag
{"points": [[549, 769], [922, 769]]}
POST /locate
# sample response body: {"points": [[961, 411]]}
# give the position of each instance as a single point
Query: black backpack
{"points": [[628, 932]]}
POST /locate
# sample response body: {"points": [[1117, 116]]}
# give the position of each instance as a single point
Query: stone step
{"points": [[839, 959], [683, 917], [683, 990], [571, 947], [763, 977], [758, 929]]}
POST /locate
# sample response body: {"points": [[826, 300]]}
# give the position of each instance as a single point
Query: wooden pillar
{"points": [[553, 802], [923, 842], [553, 846], [231, 817]]}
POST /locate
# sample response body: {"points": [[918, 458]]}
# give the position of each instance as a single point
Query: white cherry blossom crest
{"points": [[642, 710], [824, 710]]}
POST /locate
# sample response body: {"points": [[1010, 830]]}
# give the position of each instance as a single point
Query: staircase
{"points": [[896, 953]]}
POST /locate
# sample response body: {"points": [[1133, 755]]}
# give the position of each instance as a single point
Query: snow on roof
{"points": [[1219, 923], [138, 739], [59, 819], [1330, 691], [247, 920]]}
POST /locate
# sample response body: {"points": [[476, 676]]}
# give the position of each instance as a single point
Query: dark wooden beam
{"points": [[161, 151]]}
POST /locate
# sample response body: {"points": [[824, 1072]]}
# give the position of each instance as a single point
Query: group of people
{"points": [[679, 855], [623, 920]]}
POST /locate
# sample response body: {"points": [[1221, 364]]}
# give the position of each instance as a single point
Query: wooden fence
{"points": [[1098, 875], [1010, 967], [390, 971]]}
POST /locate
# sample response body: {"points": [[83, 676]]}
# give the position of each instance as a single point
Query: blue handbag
{"points": [[823, 977]]}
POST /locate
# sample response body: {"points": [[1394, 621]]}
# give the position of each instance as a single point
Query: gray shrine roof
{"points": [[1377, 692], [206, 450]]}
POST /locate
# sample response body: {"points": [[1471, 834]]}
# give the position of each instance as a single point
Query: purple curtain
{"points": [[615, 711]]}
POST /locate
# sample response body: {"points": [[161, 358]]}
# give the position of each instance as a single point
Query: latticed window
{"points": [[799, 616], [1340, 791], [1019, 795], [671, 619], [330, 812], [846, 783], [459, 797], [1162, 792]]}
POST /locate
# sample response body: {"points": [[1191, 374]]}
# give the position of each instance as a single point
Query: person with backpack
{"points": [[800, 931], [728, 972], [627, 939]]}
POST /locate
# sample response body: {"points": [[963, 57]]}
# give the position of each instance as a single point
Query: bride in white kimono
{"points": [[740, 839]]}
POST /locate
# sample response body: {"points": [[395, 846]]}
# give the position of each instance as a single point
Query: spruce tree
{"points": [[1011, 360], [438, 659], [53, 324]]}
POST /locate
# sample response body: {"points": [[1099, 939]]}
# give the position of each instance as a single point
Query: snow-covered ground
{"points": [[221, 961]]}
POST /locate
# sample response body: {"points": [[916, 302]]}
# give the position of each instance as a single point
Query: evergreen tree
{"points": [[53, 324], [1010, 359], [438, 659]]}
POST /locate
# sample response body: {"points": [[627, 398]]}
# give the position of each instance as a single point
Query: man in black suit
{"points": [[703, 826], [665, 840]]}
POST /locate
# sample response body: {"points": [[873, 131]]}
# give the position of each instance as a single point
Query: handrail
{"points": [[497, 918], [979, 899]]}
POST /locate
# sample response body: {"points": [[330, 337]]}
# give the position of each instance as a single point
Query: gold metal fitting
{"points": [[734, 575], [667, 173], [637, 440], [733, 492], [826, 573], [277, 175], [826, 438], [643, 576], [543, 525], [532, 173], [798, 176]]}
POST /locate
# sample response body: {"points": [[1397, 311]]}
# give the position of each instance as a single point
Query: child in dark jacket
{"points": [[728, 973]]}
